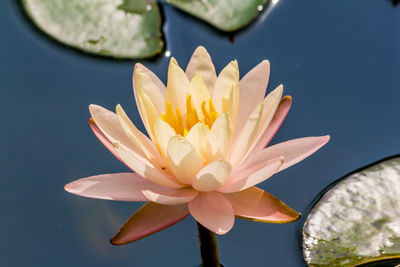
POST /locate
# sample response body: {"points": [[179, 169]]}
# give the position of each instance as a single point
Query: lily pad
{"points": [[226, 15], [358, 220], [115, 28]]}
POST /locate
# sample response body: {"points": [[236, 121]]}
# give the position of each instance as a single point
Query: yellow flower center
{"points": [[183, 125]]}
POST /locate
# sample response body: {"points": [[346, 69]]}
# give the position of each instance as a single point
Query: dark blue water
{"points": [[340, 61]]}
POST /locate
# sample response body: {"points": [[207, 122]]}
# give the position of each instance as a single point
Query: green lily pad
{"points": [[120, 29], [226, 15], [358, 220]]}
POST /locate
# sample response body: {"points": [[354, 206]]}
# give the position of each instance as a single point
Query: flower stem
{"points": [[208, 247]]}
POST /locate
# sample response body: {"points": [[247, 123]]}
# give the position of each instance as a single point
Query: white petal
{"points": [[228, 77], [201, 63], [177, 86], [220, 138], [184, 160], [171, 196], [199, 93], [163, 132], [147, 110], [212, 176], [198, 136]]}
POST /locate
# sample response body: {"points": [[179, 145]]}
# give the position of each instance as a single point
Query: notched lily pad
{"points": [[358, 220], [115, 28], [226, 15]]}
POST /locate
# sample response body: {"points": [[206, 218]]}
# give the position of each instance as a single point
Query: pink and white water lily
{"points": [[206, 150]]}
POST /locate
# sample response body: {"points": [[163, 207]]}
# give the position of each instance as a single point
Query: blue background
{"points": [[339, 60]]}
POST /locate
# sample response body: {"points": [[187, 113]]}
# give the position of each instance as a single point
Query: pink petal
{"points": [[213, 211], [293, 151], [149, 219], [255, 174], [116, 186], [257, 205], [252, 91], [276, 122], [103, 139], [170, 197]]}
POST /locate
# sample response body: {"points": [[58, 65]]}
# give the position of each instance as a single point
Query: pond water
{"points": [[339, 60]]}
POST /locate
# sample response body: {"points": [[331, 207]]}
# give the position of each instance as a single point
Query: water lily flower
{"points": [[206, 149]]}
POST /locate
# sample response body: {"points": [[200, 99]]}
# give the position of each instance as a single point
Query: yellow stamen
{"points": [[176, 120]]}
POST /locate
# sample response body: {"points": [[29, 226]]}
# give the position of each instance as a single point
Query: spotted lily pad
{"points": [[358, 220], [226, 15], [115, 28]]}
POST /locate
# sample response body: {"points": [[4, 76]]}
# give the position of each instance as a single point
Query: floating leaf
{"points": [[357, 220], [121, 29], [226, 15]]}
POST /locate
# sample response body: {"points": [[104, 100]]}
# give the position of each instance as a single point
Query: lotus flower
{"points": [[206, 152]]}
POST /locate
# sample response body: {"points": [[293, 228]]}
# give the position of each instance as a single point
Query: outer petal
{"points": [[103, 139], [271, 103], [251, 176], [116, 186], [247, 135], [177, 86], [109, 125], [142, 143], [293, 151], [170, 197], [212, 176], [228, 77], [213, 211], [273, 127], [200, 63], [220, 138], [145, 82], [149, 219], [257, 205], [183, 159], [252, 89], [145, 168]]}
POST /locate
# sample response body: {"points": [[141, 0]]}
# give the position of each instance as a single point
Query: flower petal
{"points": [[115, 186], [271, 103], [149, 219], [142, 143], [252, 89], [163, 132], [198, 136], [184, 160], [103, 139], [170, 197], [213, 211], [147, 110], [199, 94], [276, 122], [177, 86], [257, 205], [212, 176], [247, 135], [201, 63], [228, 77], [147, 81], [293, 151], [109, 125], [251, 176], [145, 168], [220, 138]]}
